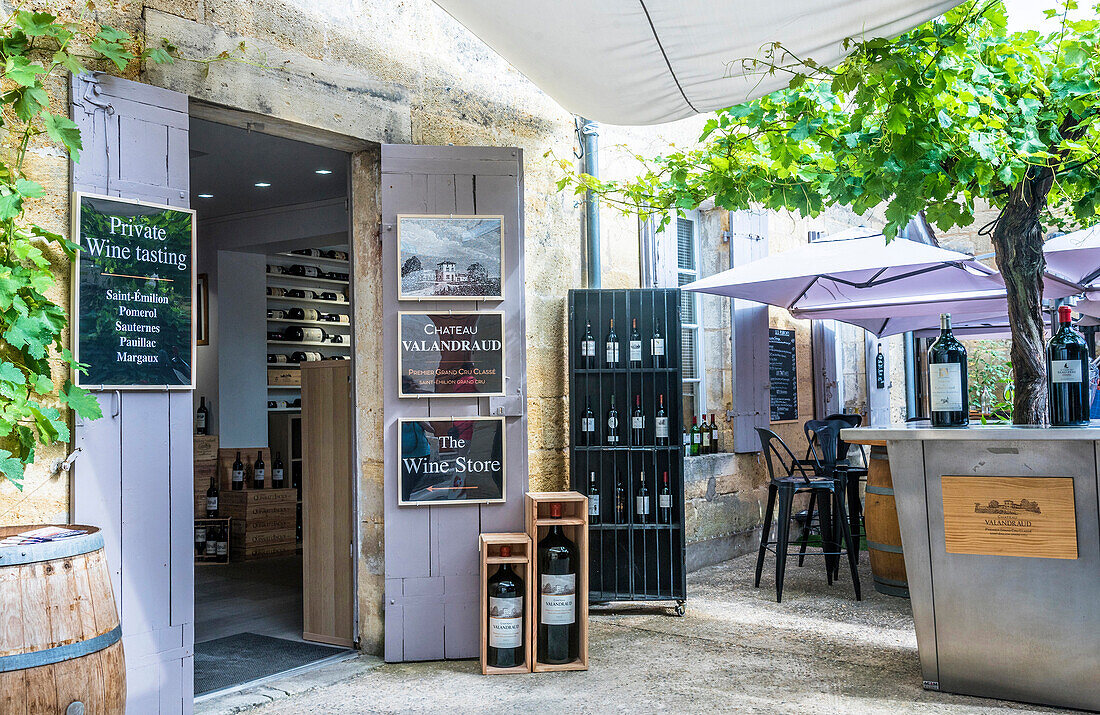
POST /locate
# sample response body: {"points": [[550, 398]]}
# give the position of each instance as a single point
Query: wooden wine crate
{"points": [[523, 557], [214, 522], [241, 539], [226, 457], [204, 470], [280, 375], [206, 447], [252, 553], [264, 521], [574, 523]]}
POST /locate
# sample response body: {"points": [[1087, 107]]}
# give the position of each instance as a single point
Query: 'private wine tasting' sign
{"points": [[457, 460], [451, 354], [132, 316]]}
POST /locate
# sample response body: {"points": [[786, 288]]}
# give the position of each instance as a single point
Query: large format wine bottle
{"points": [[1067, 374], [505, 616], [948, 401], [557, 561]]}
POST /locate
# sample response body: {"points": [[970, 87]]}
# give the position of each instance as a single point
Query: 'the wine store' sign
{"points": [[132, 317], [455, 460]]}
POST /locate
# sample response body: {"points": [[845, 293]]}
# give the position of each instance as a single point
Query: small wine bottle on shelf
{"points": [[661, 422], [664, 502], [588, 347], [259, 471], [611, 347], [1067, 374], [588, 425], [612, 424], [637, 423], [593, 499], [635, 345], [949, 402], [641, 501], [657, 346], [238, 473]]}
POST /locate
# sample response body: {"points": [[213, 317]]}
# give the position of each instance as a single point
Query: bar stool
{"points": [[855, 474], [826, 489]]}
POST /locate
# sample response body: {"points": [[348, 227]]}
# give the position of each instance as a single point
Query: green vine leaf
{"points": [[79, 399], [13, 468], [63, 130]]}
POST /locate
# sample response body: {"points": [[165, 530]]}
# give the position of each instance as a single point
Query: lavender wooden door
{"points": [[134, 478], [432, 580]]}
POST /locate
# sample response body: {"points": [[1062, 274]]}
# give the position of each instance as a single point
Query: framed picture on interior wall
{"points": [[450, 460], [450, 257], [202, 310]]}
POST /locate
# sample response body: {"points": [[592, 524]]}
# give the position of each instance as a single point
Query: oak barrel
{"points": [[880, 517], [60, 640]]}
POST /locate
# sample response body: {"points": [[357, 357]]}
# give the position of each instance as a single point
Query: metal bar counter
{"points": [[1001, 535]]}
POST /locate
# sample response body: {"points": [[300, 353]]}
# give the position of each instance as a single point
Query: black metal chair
{"points": [[789, 476], [855, 474]]}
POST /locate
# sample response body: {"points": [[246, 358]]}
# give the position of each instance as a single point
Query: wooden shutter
{"points": [[664, 254], [749, 336], [432, 567], [135, 477], [823, 340]]}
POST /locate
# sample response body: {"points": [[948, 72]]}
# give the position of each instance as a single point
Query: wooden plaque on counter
{"points": [[1010, 516]]}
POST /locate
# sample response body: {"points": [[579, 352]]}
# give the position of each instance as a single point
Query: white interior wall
{"points": [[242, 350]]}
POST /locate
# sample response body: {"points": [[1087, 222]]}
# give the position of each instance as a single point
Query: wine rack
{"points": [[632, 558], [282, 391]]}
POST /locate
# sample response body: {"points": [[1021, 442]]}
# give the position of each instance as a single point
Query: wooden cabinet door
{"points": [[328, 504]]}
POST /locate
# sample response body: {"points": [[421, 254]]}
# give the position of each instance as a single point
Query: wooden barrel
{"points": [[880, 518], [60, 640]]}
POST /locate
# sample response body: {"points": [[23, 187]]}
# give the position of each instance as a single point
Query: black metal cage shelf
{"points": [[633, 555]]}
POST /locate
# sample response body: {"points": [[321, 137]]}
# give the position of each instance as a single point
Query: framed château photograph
{"points": [[450, 257]]}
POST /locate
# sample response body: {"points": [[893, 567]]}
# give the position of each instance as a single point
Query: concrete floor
{"points": [[736, 650], [262, 596]]}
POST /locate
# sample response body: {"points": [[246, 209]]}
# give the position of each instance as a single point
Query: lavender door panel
{"points": [[431, 551]]}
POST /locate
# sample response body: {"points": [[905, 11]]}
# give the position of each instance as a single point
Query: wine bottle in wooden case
{"points": [[507, 593], [557, 523]]}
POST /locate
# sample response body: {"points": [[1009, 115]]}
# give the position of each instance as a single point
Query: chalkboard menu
{"points": [[132, 317], [781, 375]]}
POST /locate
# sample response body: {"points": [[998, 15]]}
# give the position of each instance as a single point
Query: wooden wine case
{"points": [[574, 523], [524, 558]]}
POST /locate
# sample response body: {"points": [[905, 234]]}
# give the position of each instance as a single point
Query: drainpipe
{"points": [[590, 132], [911, 408]]}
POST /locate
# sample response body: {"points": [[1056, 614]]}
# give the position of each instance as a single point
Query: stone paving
{"points": [[736, 650]]}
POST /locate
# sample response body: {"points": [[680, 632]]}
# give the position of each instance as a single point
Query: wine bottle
{"points": [[275, 270], [305, 356], [311, 252], [238, 473], [505, 616], [211, 546], [704, 437], [258, 471], [588, 347], [661, 422], [336, 255], [657, 346], [336, 318], [303, 314], [948, 400], [1067, 374], [664, 502], [612, 424], [275, 335], [200, 540], [611, 347], [277, 479], [297, 333], [635, 345], [641, 501], [696, 436], [301, 293], [713, 435], [276, 292], [212, 499], [276, 314], [334, 297], [588, 425], [620, 501], [276, 358], [557, 562], [593, 499], [305, 271], [200, 417], [222, 546], [637, 423]]}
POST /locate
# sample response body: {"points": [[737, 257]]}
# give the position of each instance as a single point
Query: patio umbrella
{"points": [[1075, 256], [852, 268], [652, 61]]}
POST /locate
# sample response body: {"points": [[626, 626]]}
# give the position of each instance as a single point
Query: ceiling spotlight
{"points": [[206, 196], [261, 184], [322, 171]]}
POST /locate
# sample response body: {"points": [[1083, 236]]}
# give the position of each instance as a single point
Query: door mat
{"points": [[232, 660]]}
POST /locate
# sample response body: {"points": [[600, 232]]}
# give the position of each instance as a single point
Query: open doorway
{"points": [[274, 305]]}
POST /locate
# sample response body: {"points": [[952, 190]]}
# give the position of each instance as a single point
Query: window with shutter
{"points": [[687, 270]]}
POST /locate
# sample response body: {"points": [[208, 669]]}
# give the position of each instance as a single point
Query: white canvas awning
{"points": [[653, 61]]}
